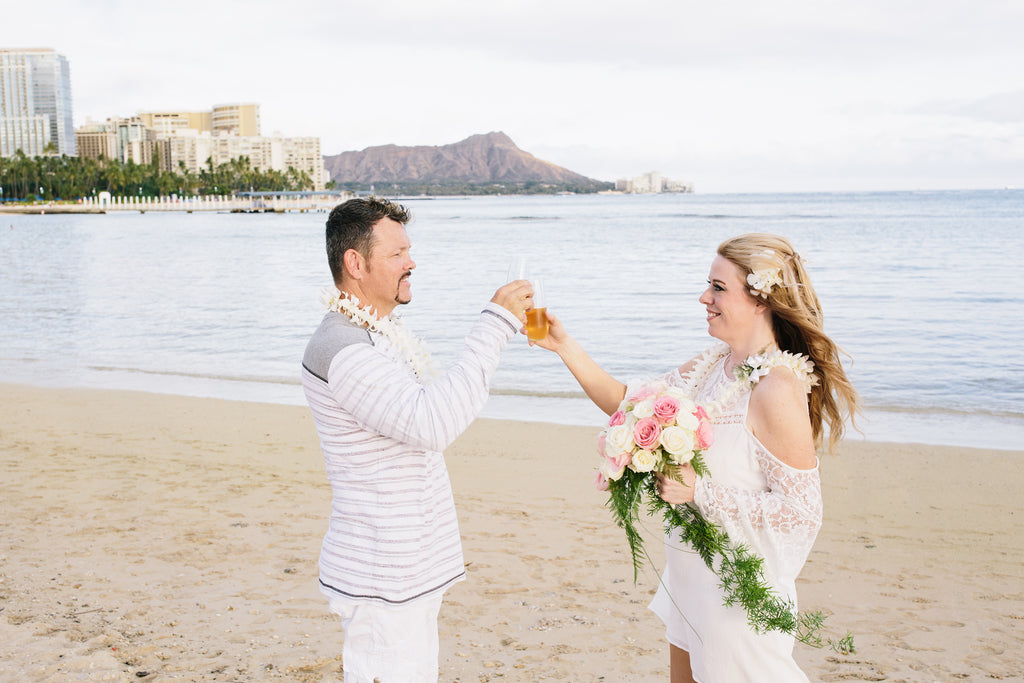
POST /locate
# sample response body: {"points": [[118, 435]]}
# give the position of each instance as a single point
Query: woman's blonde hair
{"points": [[797, 322]]}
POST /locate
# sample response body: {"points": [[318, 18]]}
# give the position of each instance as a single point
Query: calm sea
{"points": [[923, 290]]}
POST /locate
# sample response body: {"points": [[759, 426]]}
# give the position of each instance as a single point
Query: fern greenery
{"points": [[739, 570]]}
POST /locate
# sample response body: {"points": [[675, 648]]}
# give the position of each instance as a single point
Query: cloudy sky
{"points": [[732, 95]]}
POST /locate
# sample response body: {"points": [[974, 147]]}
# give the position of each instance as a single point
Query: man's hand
{"points": [[516, 297]]}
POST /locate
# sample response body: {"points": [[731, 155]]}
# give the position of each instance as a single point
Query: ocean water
{"points": [[923, 290]]}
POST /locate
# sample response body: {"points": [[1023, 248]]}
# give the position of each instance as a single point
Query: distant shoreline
{"points": [[40, 209]]}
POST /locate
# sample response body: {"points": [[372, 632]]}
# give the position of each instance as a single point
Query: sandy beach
{"points": [[153, 537]]}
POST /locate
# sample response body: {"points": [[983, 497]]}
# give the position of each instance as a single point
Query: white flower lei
{"points": [[412, 350], [748, 373]]}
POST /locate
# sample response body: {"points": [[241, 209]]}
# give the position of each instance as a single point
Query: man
{"points": [[392, 546]]}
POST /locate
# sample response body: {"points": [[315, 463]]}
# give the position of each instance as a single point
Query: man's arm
{"points": [[381, 394]]}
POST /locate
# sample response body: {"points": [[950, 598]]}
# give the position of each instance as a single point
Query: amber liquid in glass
{"points": [[536, 324]]}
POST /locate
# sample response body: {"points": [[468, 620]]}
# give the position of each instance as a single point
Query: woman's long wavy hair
{"points": [[798, 326]]}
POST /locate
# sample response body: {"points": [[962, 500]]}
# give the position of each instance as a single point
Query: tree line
{"points": [[70, 178]]}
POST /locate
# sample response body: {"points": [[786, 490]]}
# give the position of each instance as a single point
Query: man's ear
{"points": [[355, 264]]}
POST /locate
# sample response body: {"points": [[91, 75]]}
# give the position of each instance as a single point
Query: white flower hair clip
{"points": [[762, 280]]}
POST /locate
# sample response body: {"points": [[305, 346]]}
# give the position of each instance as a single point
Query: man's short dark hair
{"points": [[350, 226]]}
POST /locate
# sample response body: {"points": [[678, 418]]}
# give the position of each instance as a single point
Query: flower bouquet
{"points": [[654, 431]]}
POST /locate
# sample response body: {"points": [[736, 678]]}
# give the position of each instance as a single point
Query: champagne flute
{"points": [[518, 269], [536, 319]]}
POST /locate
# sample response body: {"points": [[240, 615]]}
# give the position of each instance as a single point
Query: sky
{"points": [[731, 95]]}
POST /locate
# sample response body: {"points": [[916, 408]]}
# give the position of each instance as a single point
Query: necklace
{"points": [[409, 348], [748, 373]]}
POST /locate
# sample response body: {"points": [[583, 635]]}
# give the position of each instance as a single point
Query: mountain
{"points": [[491, 160]]}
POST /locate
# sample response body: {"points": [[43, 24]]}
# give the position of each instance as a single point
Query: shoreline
{"points": [[158, 537], [969, 430]]}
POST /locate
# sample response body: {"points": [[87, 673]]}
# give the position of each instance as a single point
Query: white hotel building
{"points": [[190, 139], [35, 103]]}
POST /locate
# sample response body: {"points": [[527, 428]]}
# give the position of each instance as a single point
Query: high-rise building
{"points": [[237, 119], [193, 141], [167, 123], [271, 153], [304, 154], [234, 119], [124, 139], [651, 182], [135, 142], [35, 103], [97, 140]]}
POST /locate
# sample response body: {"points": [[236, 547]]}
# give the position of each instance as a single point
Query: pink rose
{"points": [[600, 481], [705, 435], [617, 418], [602, 438], [641, 394], [620, 461], [700, 413], [665, 409], [646, 433]]}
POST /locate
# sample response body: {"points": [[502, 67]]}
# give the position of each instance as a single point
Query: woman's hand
{"points": [[674, 493], [557, 336]]}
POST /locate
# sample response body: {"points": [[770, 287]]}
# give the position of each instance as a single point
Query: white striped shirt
{"points": [[393, 535]]}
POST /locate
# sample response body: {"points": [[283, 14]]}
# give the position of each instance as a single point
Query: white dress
{"points": [[773, 509]]}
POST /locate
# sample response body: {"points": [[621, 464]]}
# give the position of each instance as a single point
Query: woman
{"points": [[771, 389]]}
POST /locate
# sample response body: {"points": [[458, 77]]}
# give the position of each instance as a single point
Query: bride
{"points": [[774, 387]]}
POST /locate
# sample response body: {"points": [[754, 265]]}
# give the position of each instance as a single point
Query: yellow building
{"points": [[237, 119], [167, 123], [192, 140]]}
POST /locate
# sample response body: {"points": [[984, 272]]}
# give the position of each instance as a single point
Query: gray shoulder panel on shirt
{"points": [[335, 333]]}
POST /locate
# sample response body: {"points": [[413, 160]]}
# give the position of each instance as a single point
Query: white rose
{"points": [[681, 458], [609, 471], [644, 409], [687, 421], [676, 441], [643, 461], [618, 440]]}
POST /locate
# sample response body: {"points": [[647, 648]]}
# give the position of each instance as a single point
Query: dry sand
{"points": [[152, 537]]}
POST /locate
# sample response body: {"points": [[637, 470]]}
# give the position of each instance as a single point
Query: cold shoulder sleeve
{"points": [[779, 523]]}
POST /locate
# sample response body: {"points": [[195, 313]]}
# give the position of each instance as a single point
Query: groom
{"points": [[392, 545]]}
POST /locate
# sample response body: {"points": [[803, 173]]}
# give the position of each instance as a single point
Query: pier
{"points": [[243, 202]]}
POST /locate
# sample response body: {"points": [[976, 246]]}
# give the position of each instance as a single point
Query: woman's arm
{"points": [[604, 390]]}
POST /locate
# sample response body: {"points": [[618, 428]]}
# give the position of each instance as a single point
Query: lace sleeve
{"points": [[779, 523]]}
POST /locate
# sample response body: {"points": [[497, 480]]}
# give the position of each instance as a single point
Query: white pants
{"points": [[389, 644]]}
